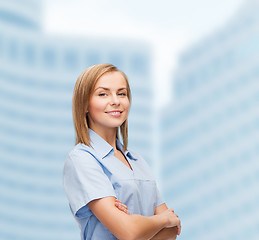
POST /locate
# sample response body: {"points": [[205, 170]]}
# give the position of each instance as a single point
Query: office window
{"points": [[49, 57], [139, 64], [1, 45], [116, 59], [179, 88], [191, 81], [255, 44], [225, 62], [12, 49], [203, 74], [29, 54], [93, 58], [71, 59], [216, 65]]}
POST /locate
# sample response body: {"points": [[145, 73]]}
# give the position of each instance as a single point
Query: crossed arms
{"points": [[164, 224]]}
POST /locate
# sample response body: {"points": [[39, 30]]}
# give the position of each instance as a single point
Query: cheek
{"points": [[127, 105], [96, 106]]}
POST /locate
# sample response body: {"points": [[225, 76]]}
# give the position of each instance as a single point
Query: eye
{"points": [[122, 94], [102, 94]]}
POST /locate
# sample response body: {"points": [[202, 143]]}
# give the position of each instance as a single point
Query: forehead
{"points": [[111, 80]]}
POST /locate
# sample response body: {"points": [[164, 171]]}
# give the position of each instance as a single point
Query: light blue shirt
{"points": [[94, 172]]}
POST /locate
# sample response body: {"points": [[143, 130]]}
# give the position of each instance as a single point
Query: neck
{"points": [[108, 135]]}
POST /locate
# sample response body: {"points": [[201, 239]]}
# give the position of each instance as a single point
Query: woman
{"points": [[111, 191]]}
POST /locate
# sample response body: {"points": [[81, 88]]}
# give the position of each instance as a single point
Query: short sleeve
{"points": [[84, 180], [159, 199]]}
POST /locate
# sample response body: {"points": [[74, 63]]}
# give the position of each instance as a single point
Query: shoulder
{"points": [[81, 154], [81, 149]]}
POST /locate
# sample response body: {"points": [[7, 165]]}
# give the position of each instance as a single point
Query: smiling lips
{"points": [[114, 113]]}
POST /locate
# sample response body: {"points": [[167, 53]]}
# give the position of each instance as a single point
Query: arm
{"points": [[125, 226], [166, 233]]}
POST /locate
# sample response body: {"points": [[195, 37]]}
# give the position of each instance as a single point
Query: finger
{"points": [[120, 205], [121, 208], [123, 205], [179, 228], [126, 211], [119, 202]]}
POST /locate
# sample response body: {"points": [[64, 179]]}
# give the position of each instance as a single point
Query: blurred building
{"points": [[210, 134], [37, 76]]}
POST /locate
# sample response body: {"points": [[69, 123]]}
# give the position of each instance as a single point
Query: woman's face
{"points": [[109, 104]]}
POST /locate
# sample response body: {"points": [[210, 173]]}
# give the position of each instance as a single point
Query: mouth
{"points": [[115, 113]]}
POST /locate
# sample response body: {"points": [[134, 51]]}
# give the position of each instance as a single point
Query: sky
{"points": [[169, 26]]}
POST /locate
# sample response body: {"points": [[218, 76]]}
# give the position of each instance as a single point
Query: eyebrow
{"points": [[109, 88]]}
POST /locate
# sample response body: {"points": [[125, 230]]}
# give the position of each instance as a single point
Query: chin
{"points": [[115, 125]]}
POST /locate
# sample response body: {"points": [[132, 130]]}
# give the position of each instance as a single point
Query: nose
{"points": [[115, 100]]}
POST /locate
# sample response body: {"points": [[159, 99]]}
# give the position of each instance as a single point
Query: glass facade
{"points": [[210, 135], [37, 76]]}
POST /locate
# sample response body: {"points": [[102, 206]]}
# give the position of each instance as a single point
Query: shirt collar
{"points": [[126, 153], [103, 148]]}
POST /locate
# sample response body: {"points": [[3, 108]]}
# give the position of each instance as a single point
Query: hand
{"points": [[121, 206], [173, 219]]}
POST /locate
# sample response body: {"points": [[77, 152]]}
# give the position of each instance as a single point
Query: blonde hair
{"points": [[83, 91]]}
